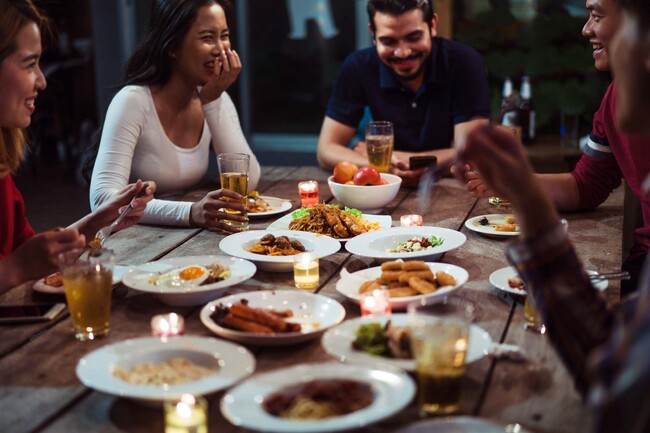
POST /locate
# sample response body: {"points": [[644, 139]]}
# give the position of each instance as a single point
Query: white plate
{"points": [[499, 279], [460, 424], [376, 244], [316, 314], [95, 370], [338, 342], [497, 218], [349, 283], [385, 221], [40, 286], [393, 390], [239, 244], [277, 205], [138, 278]]}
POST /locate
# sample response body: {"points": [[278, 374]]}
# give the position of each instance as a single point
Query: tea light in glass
{"points": [[375, 302], [167, 325], [410, 220], [305, 271], [308, 191], [187, 415]]}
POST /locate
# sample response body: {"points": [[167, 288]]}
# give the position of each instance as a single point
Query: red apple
{"points": [[367, 176], [344, 171]]}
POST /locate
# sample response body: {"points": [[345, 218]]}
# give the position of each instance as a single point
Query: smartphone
{"points": [[29, 313], [423, 161]]}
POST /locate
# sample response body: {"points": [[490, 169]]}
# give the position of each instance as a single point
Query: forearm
{"points": [[562, 189], [330, 154]]}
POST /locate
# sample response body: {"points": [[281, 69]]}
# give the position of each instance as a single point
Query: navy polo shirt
{"points": [[454, 90]]}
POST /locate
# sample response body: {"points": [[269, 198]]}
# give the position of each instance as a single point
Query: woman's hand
{"points": [[38, 256], [209, 211], [226, 69]]}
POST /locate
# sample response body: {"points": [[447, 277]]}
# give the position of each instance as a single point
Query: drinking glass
{"points": [[379, 144], [233, 170], [88, 283], [532, 321], [306, 271], [439, 340]]}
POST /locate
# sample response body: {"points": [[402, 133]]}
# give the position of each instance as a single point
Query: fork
{"points": [[625, 275], [102, 234]]}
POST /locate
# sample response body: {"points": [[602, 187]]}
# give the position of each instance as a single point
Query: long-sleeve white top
{"points": [[134, 146]]}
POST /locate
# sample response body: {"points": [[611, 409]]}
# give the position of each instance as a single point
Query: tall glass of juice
{"points": [[439, 340], [88, 284], [379, 144], [233, 170]]}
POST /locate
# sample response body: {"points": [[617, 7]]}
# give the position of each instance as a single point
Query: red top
{"points": [[608, 156], [14, 228]]}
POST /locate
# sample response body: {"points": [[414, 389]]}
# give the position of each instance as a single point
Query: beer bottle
{"points": [[509, 105], [527, 112]]}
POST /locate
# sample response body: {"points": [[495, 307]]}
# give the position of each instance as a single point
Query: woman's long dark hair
{"points": [[150, 64]]}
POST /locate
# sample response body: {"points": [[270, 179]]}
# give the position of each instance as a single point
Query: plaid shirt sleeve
{"points": [[608, 358]]}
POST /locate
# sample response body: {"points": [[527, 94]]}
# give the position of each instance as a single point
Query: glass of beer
{"points": [[379, 144], [532, 321], [88, 283], [233, 169], [439, 340]]}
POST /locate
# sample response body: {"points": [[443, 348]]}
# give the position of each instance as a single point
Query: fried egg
{"points": [[188, 276]]}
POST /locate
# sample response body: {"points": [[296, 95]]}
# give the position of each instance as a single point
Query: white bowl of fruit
{"points": [[363, 188]]}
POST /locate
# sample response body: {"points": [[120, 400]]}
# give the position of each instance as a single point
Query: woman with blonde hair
{"points": [[25, 255]]}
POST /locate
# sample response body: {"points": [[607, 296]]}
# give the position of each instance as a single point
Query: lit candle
{"points": [[167, 325], [305, 270], [410, 220], [188, 415], [375, 302], [308, 191]]}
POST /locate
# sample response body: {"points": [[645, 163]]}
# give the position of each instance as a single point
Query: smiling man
{"points": [[609, 155], [433, 90]]}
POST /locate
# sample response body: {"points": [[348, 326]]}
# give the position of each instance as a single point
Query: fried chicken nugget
{"points": [[400, 292], [425, 275], [369, 286], [444, 279], [415, 265], [505, 228], [392, 266], [388, 276], [421, 285]]}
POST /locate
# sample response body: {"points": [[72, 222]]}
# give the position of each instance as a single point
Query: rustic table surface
{"points": [[39, 390]]}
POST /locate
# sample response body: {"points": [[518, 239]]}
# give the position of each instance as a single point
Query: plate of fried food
{"points": [[53, 283], [272, 318], [406, 243], [330, 220], [262, 206], [152, 369], [323, 397], [274, 251], [496, 225], [405, 281], [192, 280], [368, 340]]}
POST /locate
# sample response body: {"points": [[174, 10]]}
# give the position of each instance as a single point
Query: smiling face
{"points": [[604, 19], [631, 66], [404, 43], [207, 38], [21, 79]]}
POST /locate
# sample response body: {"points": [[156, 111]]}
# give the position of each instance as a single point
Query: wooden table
{"points": [[39, 390]]}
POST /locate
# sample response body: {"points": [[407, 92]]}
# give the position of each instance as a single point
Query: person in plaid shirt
{"points": [[607, 352]]}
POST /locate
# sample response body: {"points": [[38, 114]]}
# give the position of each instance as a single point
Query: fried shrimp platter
{"points": [[333, 222]]}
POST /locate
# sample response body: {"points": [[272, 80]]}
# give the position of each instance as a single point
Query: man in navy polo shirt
{"points": [[433, 90]]}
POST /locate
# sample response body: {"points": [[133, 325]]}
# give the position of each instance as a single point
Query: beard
{"points": [[413, 75]]}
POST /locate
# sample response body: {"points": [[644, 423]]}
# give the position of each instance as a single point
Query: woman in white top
{"points": [[160, 124]]}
